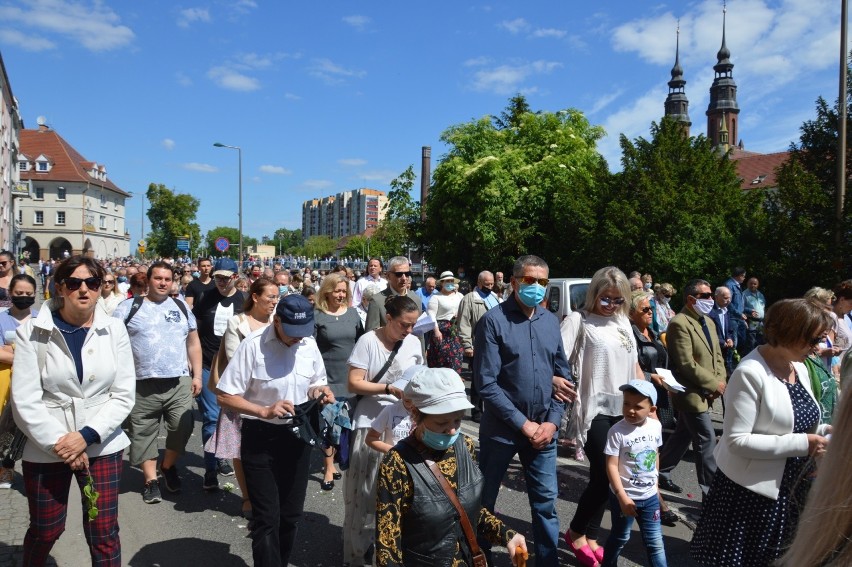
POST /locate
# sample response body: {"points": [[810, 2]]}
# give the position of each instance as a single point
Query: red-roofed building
{"points": [[74, 207], [757, 171]]}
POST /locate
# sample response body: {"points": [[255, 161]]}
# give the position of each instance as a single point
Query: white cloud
{"points": [[189, 16], [91, 24], [332, 73], [382, 176], [352, 162], [605, 101], [631, 120], [515, 26], [506, 79], [275, 170], [233, 80], [476, 61], [360, 23], [200, 167], [549, 33], [291, 96], [317, 183], [168, 144], [183, 79], [245, 6], [27, 42]]}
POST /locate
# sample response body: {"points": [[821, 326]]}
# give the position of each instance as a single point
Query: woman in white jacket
{"points": [[770, 435], [73, 385]]}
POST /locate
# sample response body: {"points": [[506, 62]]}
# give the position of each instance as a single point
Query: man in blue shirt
{"points": [[736, 307], [517, 356], [425, 291]]}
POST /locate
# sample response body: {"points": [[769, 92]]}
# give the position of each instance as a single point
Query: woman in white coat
{"points": [[770, 437], [72, 388]]}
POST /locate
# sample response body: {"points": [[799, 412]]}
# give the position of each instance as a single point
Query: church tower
{"points": [[677, 105], [723, 97]]}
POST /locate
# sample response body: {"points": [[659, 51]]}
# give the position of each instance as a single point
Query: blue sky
{"points": [[329, 96]]}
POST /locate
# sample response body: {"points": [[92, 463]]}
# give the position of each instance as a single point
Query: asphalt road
{"points": [[195, 527]]}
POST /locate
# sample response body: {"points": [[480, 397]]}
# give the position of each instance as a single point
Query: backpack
{"points": [[137, 303]]}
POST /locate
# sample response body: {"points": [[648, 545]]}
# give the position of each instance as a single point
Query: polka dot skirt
{"points": [[739, 527]]}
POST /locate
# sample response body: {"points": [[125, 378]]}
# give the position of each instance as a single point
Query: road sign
{"points": [[183, 244], [141, 249], [222, 244], [142, 243]]}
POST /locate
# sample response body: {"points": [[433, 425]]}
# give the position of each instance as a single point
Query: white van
{"points": [[565, 295]]}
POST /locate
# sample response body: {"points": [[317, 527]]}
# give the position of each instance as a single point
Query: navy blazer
{"points": [[730, 321]]}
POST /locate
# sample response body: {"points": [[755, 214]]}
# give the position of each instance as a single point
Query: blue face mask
{"points": [[450, 286], [282, 290], [121, 279], [438, 441], [531, 294], [196, 274]]}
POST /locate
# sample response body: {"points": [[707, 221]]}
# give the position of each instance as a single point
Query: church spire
{"points": [[677, 105], [723, 95]]}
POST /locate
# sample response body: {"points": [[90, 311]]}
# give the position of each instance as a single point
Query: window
{"points": [[23, 165], [60, 217], [103, 222], [61, 194], [39, 217], [20, 216], [115, 225], [41, 166], [39, 194], [103, 200]]}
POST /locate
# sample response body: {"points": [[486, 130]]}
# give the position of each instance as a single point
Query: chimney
{"points": [[425, 178]]}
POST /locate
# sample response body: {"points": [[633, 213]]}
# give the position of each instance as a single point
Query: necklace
{"points": [[72, 331]]}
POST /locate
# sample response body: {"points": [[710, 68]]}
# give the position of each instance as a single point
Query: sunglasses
{"points": [[174, 295], [816, 340], [402, 274], [529, 280], [609, 301], [92, 284], [705, 295], [221, 278], [109, 282], [4, 263], [646, 310]]}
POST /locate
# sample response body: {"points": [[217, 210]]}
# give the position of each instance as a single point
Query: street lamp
{"points": [[240, 158]]}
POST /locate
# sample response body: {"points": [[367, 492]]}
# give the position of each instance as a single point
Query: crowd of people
{"points": [[270, 354]]}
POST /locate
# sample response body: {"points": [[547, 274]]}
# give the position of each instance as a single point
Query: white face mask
{"points": [[665, 300], [703, 306]]}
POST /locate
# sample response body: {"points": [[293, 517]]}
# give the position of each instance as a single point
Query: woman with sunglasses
{"points": [[76, 389], [770, 437], [606, 356], [22, 294], [110, 296], [372, 378], [7, 270]]}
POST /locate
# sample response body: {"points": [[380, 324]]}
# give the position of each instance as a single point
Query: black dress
{"points": [[739, 527]]}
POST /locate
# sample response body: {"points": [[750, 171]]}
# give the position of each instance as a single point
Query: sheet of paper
{"points": [[423, 325], [669, 381]]}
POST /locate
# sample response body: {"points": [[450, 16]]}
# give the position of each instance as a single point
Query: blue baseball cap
{"points": [[297, 315], [225, 267], [644, 387]]}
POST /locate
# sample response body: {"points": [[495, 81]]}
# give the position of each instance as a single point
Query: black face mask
{"points": [[23, 301]]}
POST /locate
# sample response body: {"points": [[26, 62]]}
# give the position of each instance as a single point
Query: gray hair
{"points": [[692, 287], [720, 290], [397, 261], [638, 297], [482, 275], [528, 260]]}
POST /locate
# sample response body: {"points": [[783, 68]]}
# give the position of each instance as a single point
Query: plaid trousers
{"points": [[47, 486]]}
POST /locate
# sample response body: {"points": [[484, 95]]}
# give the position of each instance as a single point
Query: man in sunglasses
{"points": [[695, 358], [517, 353], [212, 311], [399, 283], [164, 339]]}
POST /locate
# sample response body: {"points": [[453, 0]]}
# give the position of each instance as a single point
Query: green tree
{"points": [[172, 216], [529, 188], [288, 241], [511, 117], [319, 246], [233, 236], [400, 229], [676, 209], [357, 247]]}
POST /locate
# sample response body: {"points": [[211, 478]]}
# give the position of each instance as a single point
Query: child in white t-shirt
{"points": [[632, 466], [392, 425]]}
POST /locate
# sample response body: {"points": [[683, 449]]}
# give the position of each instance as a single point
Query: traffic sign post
{"points": [[222, 244]]}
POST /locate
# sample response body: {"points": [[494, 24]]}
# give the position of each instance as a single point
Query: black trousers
{"points": [[276, 466]]}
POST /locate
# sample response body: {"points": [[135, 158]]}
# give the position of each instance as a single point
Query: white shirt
{"points": [[358, 291], [636, 448], [444, 307], [394, 423], [370, 354], [265, 370]]}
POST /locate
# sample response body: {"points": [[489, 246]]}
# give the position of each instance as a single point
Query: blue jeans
{"points": [[540, 475], [648, 514], [209, 408]]}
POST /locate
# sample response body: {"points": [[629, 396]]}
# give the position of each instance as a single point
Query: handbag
{"points": [[477, 555], [573, 417]]}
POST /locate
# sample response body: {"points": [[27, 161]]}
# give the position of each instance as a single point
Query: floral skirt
{"points": [[448, 352], [225, 442]]}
